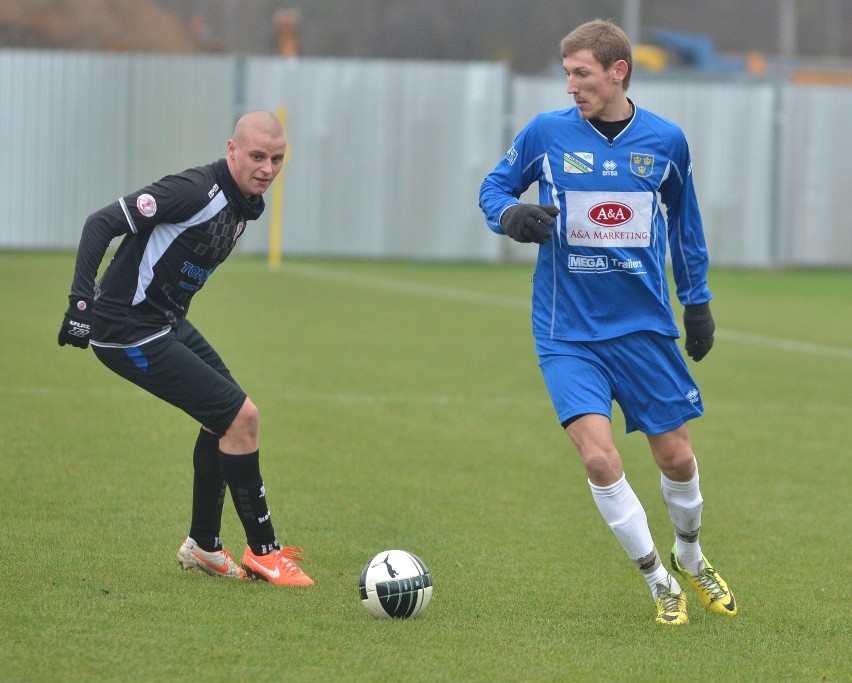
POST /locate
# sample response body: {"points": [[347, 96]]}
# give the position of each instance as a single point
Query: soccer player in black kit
{"points": [[176, 232]]}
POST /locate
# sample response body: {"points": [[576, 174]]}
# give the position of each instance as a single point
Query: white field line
{"points": [[388, 284], [792, 345]]}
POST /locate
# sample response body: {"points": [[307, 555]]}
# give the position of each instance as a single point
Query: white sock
{"points": [[661, 581], [657, 576], [684, 502], [624, 514]]}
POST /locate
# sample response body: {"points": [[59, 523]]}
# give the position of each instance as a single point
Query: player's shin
{"points": [[242, 472], [208, 492]]}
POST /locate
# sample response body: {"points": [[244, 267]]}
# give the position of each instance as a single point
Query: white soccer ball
{"points": [[395, 583]]}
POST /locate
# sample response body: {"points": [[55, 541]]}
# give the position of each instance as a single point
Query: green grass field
{"points": [[401, 406]]}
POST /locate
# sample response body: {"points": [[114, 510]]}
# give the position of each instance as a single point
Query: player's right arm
{"points": [[499, 193], [98, 232], [507, 182], [171, 199]]}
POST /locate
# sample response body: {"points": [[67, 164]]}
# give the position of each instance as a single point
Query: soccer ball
{"points": [[395, 583]]}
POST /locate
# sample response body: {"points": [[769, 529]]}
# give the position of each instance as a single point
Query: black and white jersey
{"points": [[177, 231]]}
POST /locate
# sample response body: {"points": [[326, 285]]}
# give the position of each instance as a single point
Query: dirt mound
{"points": [[116, 25]]}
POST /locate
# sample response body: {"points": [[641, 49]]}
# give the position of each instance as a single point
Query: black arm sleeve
{"points": [[98, 231]]}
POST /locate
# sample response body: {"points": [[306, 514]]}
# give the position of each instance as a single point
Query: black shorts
{"points": [[183, 369]]}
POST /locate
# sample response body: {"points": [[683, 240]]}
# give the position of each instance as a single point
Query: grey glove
{"points": [[526, 222], [699, 326]]}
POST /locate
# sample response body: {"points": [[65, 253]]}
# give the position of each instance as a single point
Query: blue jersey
{"points": [[603, 274]]}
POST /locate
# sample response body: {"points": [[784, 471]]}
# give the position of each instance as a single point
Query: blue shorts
{"points": [[643, 372]]}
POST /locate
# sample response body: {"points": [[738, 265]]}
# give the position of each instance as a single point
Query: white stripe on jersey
{"points": [[127, 215], [163, 235]]}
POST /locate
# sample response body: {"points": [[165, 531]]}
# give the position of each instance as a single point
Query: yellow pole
{"points": [[276, 210]]}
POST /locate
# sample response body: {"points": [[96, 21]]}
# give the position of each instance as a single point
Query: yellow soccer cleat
{"points": [[671, 607], [711, 588]]}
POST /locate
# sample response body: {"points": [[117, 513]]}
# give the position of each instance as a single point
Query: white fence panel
{"points": [[83, 128], [731, 134], [65, 144], [386, 157], [815, 187]]}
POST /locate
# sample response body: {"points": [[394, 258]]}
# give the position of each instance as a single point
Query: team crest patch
{"points": [[146, 205], [512, 155], [641, 164], [578, 162]]}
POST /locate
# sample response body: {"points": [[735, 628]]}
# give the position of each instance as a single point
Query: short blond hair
{"points": [[606, 41]]}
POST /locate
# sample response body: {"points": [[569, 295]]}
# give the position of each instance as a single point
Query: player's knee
{"points": [[676, 465], [241, 435], [602, 467], [249, 414], [247, 420]]}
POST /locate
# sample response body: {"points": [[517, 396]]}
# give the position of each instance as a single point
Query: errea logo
{"points": [[512, 155]]}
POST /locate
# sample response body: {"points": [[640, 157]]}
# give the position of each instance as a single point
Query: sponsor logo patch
{"points": [[610, 214], [601, 263], [578, 162], [587, 263], [608, 219]]}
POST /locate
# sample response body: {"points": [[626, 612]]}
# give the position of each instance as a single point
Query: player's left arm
{"points": [[688, 249], [172, 199]]}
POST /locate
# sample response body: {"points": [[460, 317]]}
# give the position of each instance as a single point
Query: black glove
{"points": [[77, 323], [523, 222], [699, 327]]}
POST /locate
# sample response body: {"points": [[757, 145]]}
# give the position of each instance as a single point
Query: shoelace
{"points": [[670, 602], [709, 581], [287, 555]]}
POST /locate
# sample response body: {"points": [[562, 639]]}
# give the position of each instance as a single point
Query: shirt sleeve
{"points": [[173, 199], [687, 245], [98, 232], [510, 178]]}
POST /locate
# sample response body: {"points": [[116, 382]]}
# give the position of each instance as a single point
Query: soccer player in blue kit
{"points": [[175, 233], [602, 321]]}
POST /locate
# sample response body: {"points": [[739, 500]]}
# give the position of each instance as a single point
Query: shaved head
{"points": [[263, 122], [256, 152]]}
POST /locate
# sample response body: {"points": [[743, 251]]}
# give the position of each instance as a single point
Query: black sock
{"points": [[208, 492], [242, 472]]}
